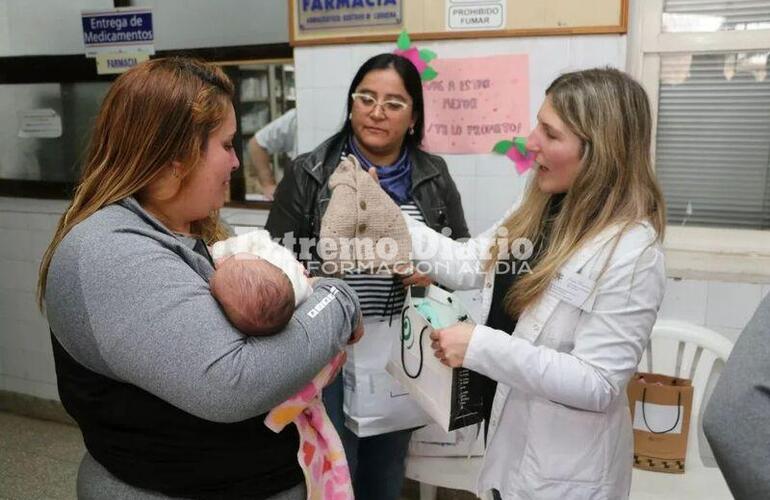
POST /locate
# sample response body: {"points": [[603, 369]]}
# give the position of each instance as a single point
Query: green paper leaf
{"points": [[521, 144], [403, 41], [427, 55], [502, 147], [428, 74]]}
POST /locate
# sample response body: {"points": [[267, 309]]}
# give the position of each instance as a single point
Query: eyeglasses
{"points": [[367, 103]]}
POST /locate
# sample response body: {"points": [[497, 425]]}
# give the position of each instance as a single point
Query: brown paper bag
{"points": [[660, 413]]}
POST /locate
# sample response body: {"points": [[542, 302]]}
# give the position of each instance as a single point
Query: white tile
{"points": [[13, 220], [36, 365], [15, 244], [12, 358], [494, 165], [303, 68], [305, 119], [360, 53], [596, 51], [41, 366], [11, 338], [466, 186], [44, 390], [494, 196], [43, 222], [27, 273], [460, 165], [10, 275], [731, 304], [330, 105], [39, 241], [332, 66], [476, 227], [8, 304], [685, 300]]}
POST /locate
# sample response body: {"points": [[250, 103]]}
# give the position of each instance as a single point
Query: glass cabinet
{"points": [[264, 92]]}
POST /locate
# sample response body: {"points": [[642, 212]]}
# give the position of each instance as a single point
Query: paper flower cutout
{"points": [[419, 57], [516, 150]]}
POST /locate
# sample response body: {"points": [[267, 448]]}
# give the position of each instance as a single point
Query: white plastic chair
{"points": [[681, 349]]}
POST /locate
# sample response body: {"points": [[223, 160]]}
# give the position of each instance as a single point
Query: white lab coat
{"points": [[560, 426]]}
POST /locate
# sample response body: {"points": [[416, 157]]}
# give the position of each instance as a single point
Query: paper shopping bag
{"points": [[451, 396], [660, 412], [374, 402], [432, 441]]}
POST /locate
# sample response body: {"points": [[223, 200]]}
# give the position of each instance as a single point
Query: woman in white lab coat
{"points": [[565, 319]]}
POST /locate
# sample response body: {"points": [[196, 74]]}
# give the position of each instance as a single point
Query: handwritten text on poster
{"points": [[476, 102]]}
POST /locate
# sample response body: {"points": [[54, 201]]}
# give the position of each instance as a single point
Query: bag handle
{"points": [[678, 412], [406, 323]]}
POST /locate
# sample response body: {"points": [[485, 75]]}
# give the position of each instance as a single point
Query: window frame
{"points": [[723, 254], [73, 68]]}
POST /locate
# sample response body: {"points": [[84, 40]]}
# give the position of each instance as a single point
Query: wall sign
{"points": [[476, 102], [324, 14], [43, 123], [475, 15], [118, 30], [111, 63]]}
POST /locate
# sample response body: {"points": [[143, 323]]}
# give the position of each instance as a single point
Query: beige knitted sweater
{"points": [[362, 229]]}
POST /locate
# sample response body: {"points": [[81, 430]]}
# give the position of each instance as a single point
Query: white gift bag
{"points": [[433, 441], [374, 402], [451, 396]]}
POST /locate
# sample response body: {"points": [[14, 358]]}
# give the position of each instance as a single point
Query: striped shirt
{"points": [[380, 294]]}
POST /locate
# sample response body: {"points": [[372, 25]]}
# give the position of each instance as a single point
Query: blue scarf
{"points": [[395, 179]]}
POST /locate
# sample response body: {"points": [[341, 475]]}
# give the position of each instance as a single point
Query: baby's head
{"points": [[257, 296]]}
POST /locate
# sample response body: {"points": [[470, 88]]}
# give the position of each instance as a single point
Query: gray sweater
{"points": [[127, 299], [737, 418]]}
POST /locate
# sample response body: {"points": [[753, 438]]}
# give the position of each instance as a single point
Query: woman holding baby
{"points": [[170, 397], [383, 130]]}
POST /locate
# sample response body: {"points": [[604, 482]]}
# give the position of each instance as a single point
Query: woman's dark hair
{"points": [[412, 84]]}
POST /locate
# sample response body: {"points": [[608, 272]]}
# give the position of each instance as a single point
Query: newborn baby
{"points": [[256, 296], [257, 282]]}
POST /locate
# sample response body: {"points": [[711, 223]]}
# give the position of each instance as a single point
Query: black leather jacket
{"points": [[303, 194]]}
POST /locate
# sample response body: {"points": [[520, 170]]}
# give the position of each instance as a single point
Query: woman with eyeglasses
{"points": [[383, 130]]}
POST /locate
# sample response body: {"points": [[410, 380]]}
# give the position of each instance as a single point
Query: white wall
{"points": [[26, 228], [488, 183], [43, 27], [34, 27], [182, 24]]}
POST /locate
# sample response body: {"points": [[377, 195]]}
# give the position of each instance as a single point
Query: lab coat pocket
{"points": [[565, 444]]}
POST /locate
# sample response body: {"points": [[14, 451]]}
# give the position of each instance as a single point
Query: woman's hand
{"points": [[358, 331], [451, 343], [417, 279]]}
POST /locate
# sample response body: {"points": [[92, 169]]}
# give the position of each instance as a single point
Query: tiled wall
{"points": [[721, 306], [487, 183], [26, 361], [26, 228]]}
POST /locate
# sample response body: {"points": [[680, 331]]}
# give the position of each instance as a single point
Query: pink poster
{"points": [[473, 103]]}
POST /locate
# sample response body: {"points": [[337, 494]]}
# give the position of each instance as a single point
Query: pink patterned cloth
{"points": [[320, 454]]}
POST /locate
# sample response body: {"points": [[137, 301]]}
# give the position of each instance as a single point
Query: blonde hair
{"points": [[610, 114], [157, 112]]}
